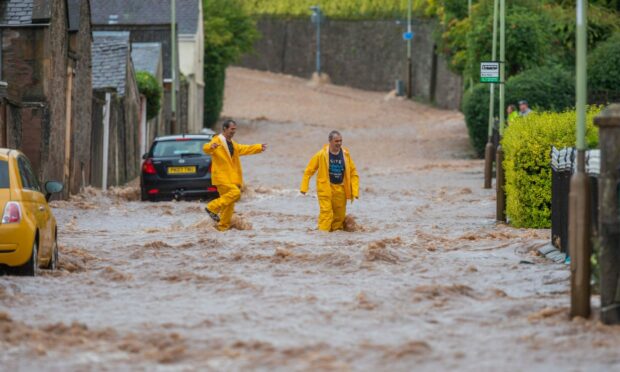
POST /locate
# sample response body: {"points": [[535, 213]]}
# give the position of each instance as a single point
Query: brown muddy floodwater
{"points": [[423, 280]]}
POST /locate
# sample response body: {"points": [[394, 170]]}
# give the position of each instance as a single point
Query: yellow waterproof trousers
{"points": [[225, 204], [332, 209]]}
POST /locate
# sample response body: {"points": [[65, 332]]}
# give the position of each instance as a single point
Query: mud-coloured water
{"points": [[423, 279]]}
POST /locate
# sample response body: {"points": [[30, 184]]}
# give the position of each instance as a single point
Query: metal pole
{"points": [[488, 151], [409, 60], [501, 195], [173, 27], [318, 42], [579, 243]]}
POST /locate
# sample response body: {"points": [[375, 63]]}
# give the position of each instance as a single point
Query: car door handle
{"points": [[41, 209]]}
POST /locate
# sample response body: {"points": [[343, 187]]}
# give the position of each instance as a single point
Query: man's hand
{"points": [[264, 146], [215, 145]]}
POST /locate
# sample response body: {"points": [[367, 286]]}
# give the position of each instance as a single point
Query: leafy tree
{"points": [[229, 33], [150, 88]]}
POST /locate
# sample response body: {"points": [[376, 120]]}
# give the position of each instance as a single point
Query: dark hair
{"points": [[227, 123], [332, 134]]}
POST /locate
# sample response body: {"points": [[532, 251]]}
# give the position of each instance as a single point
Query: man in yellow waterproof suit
{"points": [[336, 182], [226, 172]]}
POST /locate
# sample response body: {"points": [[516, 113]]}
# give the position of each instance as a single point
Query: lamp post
{"points": [[499, 159], [317, 19], [579, 198], [488, 151], [409, 46]]}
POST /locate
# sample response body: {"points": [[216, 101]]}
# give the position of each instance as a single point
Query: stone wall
{"points": [[362, 54], [82, 101]]}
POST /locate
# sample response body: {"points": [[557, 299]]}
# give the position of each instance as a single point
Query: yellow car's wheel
{"points": [[53, 265], [31, 267]]}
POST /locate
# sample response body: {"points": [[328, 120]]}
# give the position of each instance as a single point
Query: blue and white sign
{"points": [[408, 35]]}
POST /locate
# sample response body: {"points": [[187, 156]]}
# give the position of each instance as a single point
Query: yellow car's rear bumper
{"points": [[16, 242]]}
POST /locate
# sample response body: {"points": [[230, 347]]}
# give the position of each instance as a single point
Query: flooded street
{"points": [[424, 279]]}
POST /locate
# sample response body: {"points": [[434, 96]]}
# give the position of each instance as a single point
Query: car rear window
{"points": [[4, 175], [165, 149]]}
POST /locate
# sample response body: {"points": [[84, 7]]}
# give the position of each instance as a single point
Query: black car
{"points": [[176, 168]]}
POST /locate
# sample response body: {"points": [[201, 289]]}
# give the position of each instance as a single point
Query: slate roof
{"points": [[146, 57], [16, 12], [146, 12], [110, 52]]}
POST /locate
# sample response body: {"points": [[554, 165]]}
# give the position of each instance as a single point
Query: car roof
{"points": [[5, 153], [186, 136]]}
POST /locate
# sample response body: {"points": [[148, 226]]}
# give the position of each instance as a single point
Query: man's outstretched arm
{"points": [[251, 149]]}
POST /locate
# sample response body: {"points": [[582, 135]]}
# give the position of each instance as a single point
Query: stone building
{"points": [[150, 21], [45, 63]]}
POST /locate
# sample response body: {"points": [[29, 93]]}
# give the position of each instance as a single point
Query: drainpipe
{"points": [[106, 141]]}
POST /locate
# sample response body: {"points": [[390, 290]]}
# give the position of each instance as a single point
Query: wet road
{"points": [[423, 280]]}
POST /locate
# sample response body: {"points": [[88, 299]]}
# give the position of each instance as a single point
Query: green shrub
{"points": [[150, 88], [527, 146], [604, 66], [545, 88], [229, 33], [476, 111]]}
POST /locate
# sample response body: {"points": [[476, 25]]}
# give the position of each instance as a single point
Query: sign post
{"points": [[489, 151]]}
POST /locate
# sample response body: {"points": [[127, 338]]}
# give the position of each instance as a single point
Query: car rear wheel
{"points": [[143, 195], [53, 265], [31, 267]]}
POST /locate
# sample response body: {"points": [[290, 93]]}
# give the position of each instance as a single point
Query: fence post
{"points": [[608, 122]]}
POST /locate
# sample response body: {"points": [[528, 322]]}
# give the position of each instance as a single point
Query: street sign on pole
{"points": [[408, 35], [489, 72]]}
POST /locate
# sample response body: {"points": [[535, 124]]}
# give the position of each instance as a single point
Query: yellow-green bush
{"points": [[343, 9], [527, 146]]}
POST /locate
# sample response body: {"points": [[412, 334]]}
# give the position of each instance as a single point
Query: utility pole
{"points": [[579, 197], [499, 160], [317, 18], [471, 79], [488, 151], [173, 96], [409, 47]]}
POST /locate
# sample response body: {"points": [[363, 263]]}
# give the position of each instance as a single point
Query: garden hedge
{"points": [[527, 146], [604, 66], [545, 88]]}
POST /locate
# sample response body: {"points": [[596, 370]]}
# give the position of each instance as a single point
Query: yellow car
{"points": [[28, 227]]}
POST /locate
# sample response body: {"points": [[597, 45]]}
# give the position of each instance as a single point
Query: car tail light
{"points": [[212, 189], [148, 167], [209, 168], [153, 191], [12, 213]]}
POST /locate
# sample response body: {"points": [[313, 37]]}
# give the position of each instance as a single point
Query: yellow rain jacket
{"points": [[320, 163], [226, 169]]}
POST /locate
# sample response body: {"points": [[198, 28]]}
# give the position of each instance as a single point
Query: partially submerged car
{"points": [[177, 168], [28, 231]]}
